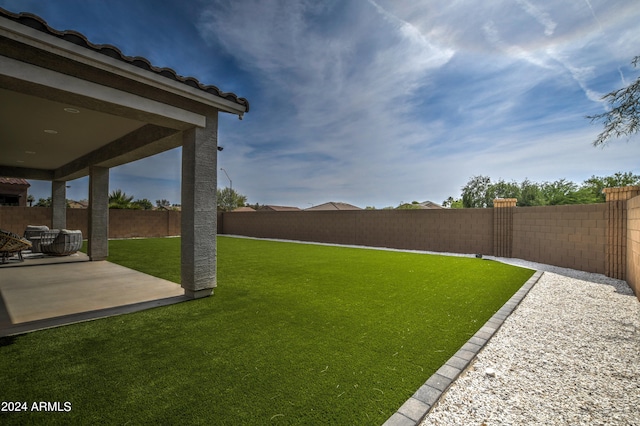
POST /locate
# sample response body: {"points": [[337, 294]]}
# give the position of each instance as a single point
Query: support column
{"points": [[503, 226], [199, 209], [59, 204], [616, 249], [98, 238]]}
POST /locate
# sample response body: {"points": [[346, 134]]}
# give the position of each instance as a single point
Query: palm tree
{"points": [[119, 200]]}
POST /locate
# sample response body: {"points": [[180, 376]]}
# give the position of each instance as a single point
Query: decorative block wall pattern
{"points": [[633, 245], [503, 226], [616, 250]]}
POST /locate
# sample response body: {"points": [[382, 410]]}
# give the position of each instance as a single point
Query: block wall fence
{"points": [[632, 275], [572, 236], [602, 238], [122, 223]]}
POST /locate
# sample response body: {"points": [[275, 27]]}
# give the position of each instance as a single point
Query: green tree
{"points": [[42, 202], [46, 202], [480, 192], [119, 200], [143, 204], [530, 194], [476, 192], [409, 206], [595, 184], [229, 199], [502, 189], [563, 191], [452, 203], [623, 115], [30, 200], [163, 203]]}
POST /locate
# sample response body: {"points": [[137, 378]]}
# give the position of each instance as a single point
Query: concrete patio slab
{"points": [[32, 259], [41, 294]]}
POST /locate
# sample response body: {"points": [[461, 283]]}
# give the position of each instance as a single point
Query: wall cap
{"points": [[621, 189], [621, 193], [505, 202]]}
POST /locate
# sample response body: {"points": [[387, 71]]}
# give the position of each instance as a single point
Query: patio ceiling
{"points": [[42, 134]]}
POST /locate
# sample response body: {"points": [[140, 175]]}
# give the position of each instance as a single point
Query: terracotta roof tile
{"points": [[14, 181], [79, 39]]}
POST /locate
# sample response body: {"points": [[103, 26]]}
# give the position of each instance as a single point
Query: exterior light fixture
{"points": [[72, 110], [51, 131]]}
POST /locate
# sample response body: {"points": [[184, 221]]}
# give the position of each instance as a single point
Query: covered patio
{"points": [[46, 292], [69, 109]]}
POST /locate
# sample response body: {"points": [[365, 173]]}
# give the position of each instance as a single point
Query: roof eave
{"points": [[40, 40]]}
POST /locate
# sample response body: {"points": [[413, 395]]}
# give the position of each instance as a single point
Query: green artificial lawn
{"points": [[294, 334]]}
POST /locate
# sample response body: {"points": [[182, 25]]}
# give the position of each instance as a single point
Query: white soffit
{"points": [[42, 134]]}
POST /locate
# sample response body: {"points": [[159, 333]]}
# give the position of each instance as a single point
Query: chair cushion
{"points": [[33, 233], [62, 242], [37, 228], [68, 231]]}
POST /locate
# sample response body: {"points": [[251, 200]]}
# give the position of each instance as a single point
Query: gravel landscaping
{"points": [[569, 354]]}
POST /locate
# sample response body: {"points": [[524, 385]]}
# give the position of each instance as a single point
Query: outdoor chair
{"points": [[12, 244], [33, 233], [60, 242]]}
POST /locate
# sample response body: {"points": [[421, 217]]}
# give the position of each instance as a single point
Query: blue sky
{"points": [[379, 102]]}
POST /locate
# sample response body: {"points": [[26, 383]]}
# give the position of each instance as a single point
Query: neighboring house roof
{"points": [[35, 22], [334, 206], [430, 205], [279, 208], [14, 181], [78, 204], [244, 209]]}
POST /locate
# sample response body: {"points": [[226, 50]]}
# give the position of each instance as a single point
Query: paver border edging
{"points": [[416, 408]]}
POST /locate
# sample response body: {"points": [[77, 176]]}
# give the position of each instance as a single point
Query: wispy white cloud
{"points": [[581, 75], [403, 98], [349, 92], [384, 101], [542, 17], [494, 38], [593, 13]]}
